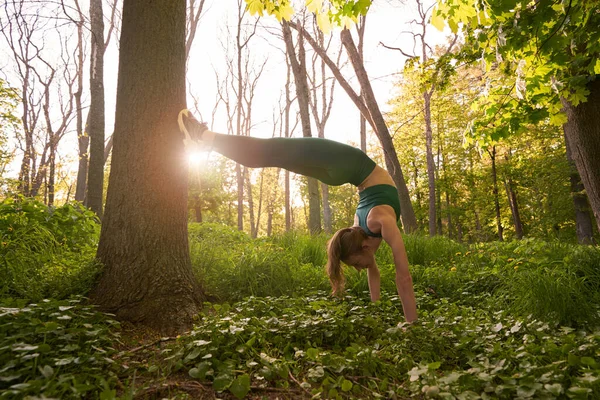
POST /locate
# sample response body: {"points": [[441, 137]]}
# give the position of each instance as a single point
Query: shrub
{"points": [[41, 245]]}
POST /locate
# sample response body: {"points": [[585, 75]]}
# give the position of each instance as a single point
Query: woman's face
{"points": [[362, 260]]}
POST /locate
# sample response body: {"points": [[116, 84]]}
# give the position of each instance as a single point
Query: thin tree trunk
{"points": [[198, 208], [147, 276], [430, 163], [246, 173], [95, 125], [51, 173], [83, 140], [363, 121], [240, 196], [514, 207], [299, 71], [495, 191]]}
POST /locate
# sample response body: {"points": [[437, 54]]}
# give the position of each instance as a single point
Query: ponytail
{"points": [[343, 244]]}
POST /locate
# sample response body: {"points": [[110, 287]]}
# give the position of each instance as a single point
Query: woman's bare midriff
{"points": [[379, 176]]}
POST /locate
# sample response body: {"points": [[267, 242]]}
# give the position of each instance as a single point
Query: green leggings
{"points": [[331, 162]]}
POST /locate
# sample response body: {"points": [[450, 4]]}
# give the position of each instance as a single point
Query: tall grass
{"points": [[552, 281]]}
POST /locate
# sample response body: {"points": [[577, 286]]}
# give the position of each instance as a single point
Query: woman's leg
{"points": [[329, 161]]}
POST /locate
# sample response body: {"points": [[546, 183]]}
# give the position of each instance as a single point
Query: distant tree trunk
{"points": [[240, 196], [288, 206], [83, 139], [95, 123], [52, 173], [253, 228], [583, 219], [363, 121], [430, 162], [287, 133], [495, 191], [260, 202], [147, 276], [416, 183], [449, 214], [300, 78], [198, 208], [514, 207], [583, 134], [321, 102]]}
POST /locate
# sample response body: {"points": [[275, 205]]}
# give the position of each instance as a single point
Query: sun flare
{"points": [[195, 158]]}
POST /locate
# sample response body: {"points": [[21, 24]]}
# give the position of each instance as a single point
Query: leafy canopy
{"points": [[343, 13], [550, 50]]}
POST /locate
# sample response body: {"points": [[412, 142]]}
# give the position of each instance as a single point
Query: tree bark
{"points": [[495, 191], [583, 136], [430, 163], [147, 276], [95, 125], [514, 207], [583, 219], [298, 65]]}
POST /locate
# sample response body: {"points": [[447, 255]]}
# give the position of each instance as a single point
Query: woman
{"points": [[332, 163]]}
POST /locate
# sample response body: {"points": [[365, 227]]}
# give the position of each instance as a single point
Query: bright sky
{"points": [[386, 21]]}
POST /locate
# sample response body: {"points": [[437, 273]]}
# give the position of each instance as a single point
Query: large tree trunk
{"points": [[95, 125], [583, 136], [299, 71], [583, 218], [147, 276]]}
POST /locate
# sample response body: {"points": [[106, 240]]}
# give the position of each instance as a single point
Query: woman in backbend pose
{"points": [[332, 163]]}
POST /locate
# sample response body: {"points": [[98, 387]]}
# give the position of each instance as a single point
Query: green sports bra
{"points": [[376, 196]]}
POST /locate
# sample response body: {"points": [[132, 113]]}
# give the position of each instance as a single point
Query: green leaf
{"points": [[241, 386], [346, 385], [555, 388], [194, 354], [573, 360], [312, 353], [222, 382], [576, 391], [434, 365], [597, 67], [589, 361], [47, 371]]}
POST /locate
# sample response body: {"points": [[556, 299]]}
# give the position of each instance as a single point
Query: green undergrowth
{"points": [[56, 349], [552, 281], [46, 251], [300, 347]]}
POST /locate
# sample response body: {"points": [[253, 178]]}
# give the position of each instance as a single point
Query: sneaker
{"points": [[191, 128]]}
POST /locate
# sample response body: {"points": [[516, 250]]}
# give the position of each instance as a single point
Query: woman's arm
{"points": [[374, 282], [391, 234]]}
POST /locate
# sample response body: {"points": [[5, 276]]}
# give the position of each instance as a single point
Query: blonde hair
{"points": [[341, 246]]}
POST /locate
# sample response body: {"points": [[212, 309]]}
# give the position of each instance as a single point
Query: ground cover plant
{"points": [[497, 320]]}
